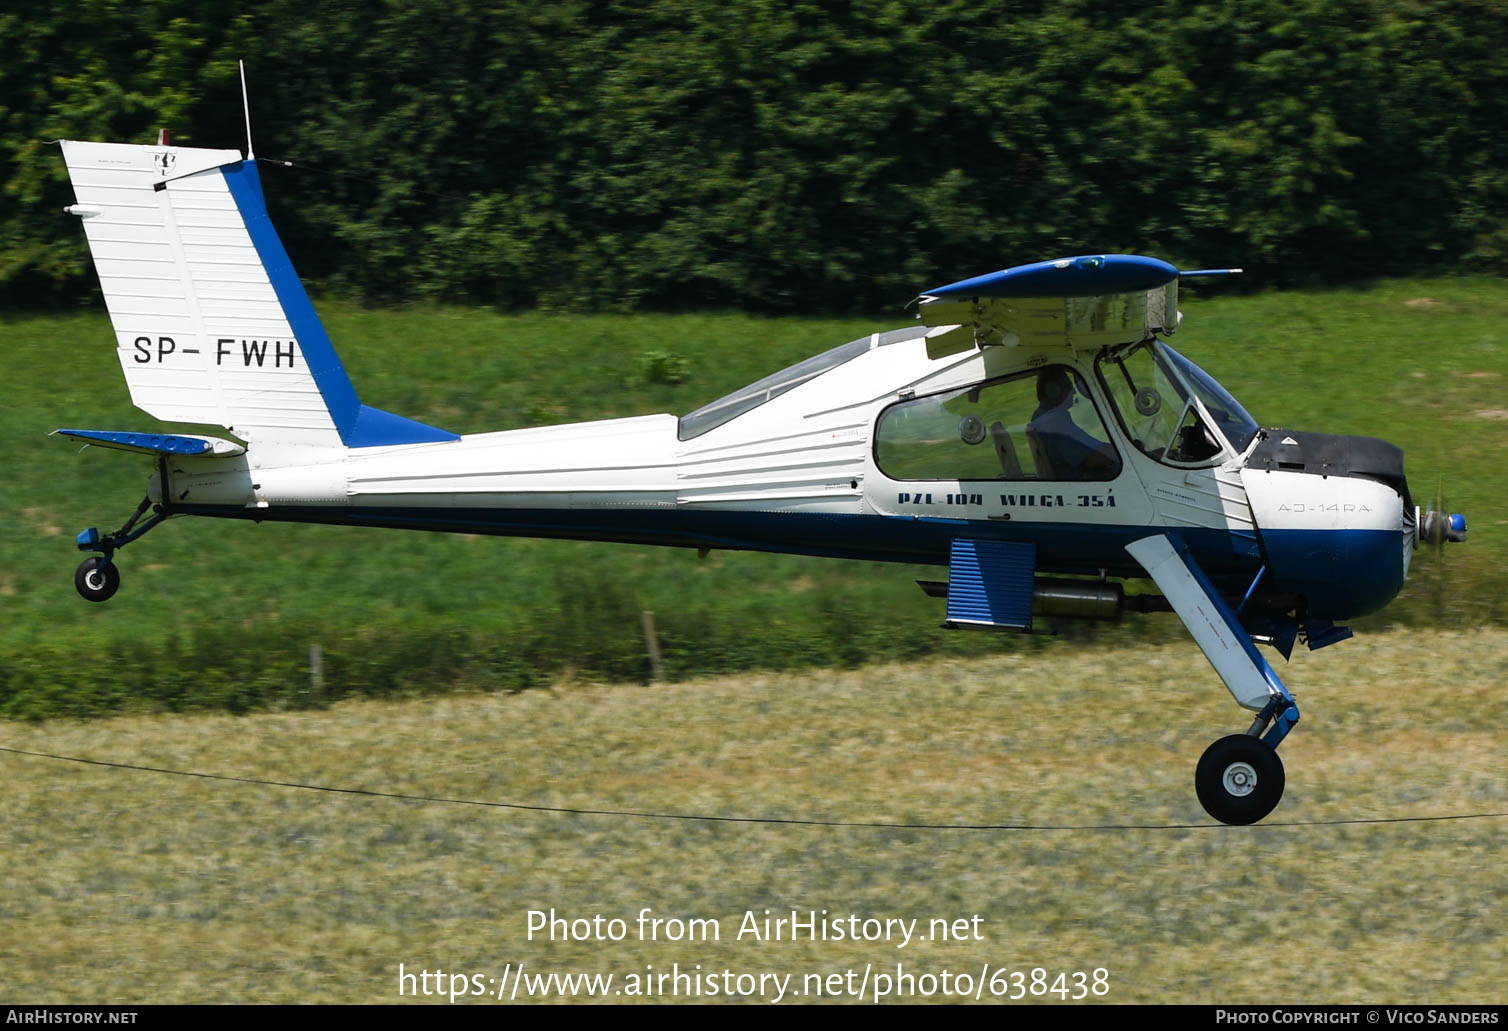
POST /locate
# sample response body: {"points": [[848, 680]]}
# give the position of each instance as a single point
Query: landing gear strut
{"points": [[98, 578]]}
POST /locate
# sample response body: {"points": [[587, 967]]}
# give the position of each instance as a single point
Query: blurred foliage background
{"points": [[571, 161], [617, 154]]}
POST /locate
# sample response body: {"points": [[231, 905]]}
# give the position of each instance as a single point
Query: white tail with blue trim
{"points": [[212, 325]]}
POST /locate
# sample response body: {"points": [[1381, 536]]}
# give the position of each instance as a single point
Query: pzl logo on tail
{"points": [[164, 162]]}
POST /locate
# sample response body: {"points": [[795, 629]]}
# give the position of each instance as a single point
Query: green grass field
{"points": [[134, 887], [222, 615]]}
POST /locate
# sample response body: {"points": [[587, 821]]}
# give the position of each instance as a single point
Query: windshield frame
{"points": [[1170, 366], [1196, 377]]}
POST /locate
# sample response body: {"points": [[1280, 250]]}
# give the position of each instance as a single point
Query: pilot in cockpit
{"points": [[1061, 448]]}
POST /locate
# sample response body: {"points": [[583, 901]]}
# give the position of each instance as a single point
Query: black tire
{"points": [[1239, 779], [94, 583]]}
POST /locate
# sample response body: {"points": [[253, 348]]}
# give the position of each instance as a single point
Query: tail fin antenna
{"points": [[246, 108]]}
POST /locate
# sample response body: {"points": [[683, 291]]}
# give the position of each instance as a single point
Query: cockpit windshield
{"points": [[1150, 383], [1234, 421]]}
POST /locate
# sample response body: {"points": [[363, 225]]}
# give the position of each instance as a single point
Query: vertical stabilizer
{"points": [[212, 325]]}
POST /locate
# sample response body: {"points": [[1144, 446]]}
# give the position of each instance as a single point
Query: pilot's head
{"points": [[1054, 387]]}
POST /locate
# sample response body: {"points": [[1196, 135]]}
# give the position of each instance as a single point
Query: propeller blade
{"points": [[1437, 527], [1438, 535]]}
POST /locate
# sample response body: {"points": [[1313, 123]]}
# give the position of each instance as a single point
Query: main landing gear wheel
{"points": [[95, 583], [1239, 779]]}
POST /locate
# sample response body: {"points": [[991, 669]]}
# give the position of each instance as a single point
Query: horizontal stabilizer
{"points": [[157, 443]]}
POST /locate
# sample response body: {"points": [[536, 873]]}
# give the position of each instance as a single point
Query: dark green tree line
{"points": [[783, 156]]}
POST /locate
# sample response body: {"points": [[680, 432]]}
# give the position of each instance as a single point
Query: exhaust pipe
{"points": [[1075, 599]]}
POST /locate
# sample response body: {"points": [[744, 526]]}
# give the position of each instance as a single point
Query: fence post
{"points": [[652, 642], [316, 673]]}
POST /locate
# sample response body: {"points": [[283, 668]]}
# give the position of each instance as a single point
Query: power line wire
{"points": [[702, 818]]}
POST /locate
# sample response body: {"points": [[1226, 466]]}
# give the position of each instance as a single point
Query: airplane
{"points": [[1033, 431]]}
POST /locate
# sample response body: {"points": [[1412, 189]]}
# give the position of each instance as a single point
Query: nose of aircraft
{"points": [[1335, 518]]}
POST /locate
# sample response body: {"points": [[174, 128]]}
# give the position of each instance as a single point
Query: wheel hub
{"points": [[1240, 779]]}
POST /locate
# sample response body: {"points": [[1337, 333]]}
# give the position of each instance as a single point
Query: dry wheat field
{"points": [[131, 886]]}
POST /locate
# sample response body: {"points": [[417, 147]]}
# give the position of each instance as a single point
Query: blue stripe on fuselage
{"points": [[1341, 573], [1060, 547]]}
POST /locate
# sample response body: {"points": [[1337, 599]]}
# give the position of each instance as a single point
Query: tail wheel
{"points": [[96, 582], [1239, 779]]}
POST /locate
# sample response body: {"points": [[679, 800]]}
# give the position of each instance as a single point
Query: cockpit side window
{"points": [[1158, 415], [1038, 426]]}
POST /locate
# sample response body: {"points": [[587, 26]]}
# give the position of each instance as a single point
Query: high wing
{"points": [[1083, 303]]}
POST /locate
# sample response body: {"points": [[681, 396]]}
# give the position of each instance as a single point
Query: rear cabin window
{"points": [[1038, 426], [746, 399]]}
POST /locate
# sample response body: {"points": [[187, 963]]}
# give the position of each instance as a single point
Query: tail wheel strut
{"points": [[98, 578]]}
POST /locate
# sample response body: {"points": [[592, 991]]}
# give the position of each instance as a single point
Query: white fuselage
{"points": [[799, 473]]}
